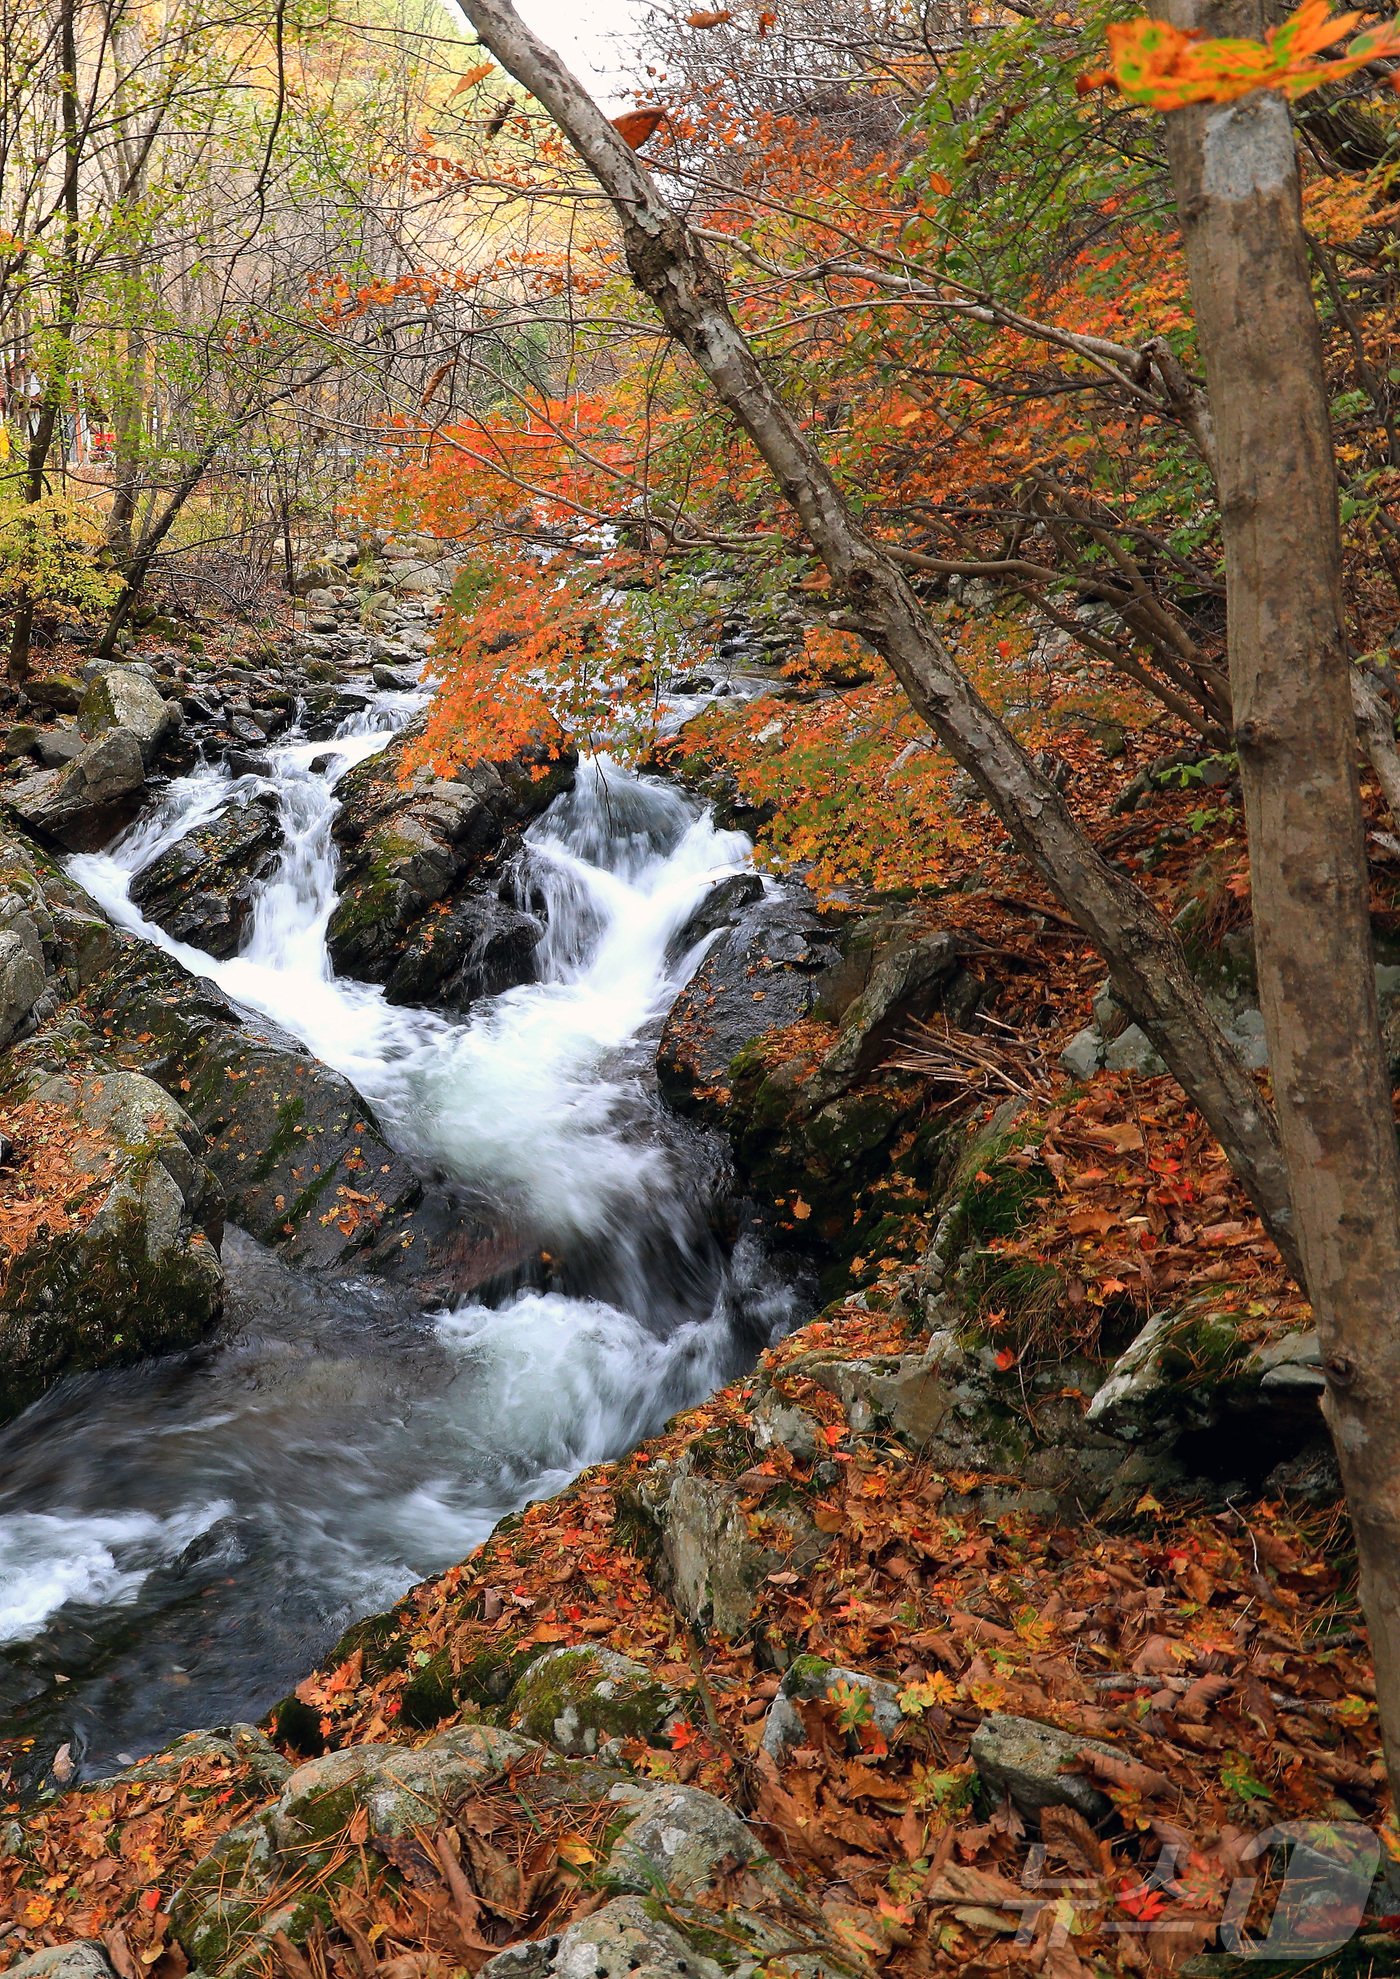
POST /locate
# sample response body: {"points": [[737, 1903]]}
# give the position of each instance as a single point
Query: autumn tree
{"points": [[1237, 182], [1337, 1169]]}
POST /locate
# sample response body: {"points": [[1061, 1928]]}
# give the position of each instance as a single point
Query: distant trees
{"points": [[221, 257]]}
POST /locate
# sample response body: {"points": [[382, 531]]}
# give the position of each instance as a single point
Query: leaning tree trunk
{"points": [[1236, 174], [1147, 963]]}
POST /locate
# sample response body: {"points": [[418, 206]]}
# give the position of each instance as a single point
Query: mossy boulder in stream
{"points": [[422, 907], [294, 1146], [129, 1264]]}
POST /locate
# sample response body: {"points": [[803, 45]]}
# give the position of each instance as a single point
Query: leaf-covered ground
{"points": [[1218, 1650]]}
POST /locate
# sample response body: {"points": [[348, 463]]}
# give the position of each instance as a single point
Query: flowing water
{"points": [[179, 1541]]}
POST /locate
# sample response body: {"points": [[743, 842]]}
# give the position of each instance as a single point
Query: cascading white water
{"points": [[336, 1449]]}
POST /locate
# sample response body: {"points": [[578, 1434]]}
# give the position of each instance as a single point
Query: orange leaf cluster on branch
{"points": [[1163, 67]]}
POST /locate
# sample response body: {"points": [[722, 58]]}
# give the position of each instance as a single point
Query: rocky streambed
{"points": [[372, 1223]]}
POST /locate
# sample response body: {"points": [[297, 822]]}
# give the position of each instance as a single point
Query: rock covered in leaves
{"points": [[421, 907], [113, 1240], [759, 976]]}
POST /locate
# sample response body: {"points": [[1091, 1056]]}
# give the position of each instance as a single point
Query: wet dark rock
{"points": [[409, 852], [293, 1145], [760, 976], [134, 1268], [908, 983], [720, 908], [202, 889]]}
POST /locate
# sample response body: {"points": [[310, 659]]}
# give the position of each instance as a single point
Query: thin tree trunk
{"points": [[1236, 174], [66, 316], [1147, 964]]}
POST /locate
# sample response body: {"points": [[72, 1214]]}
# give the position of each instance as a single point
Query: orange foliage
{"points": [[1164, 68]]}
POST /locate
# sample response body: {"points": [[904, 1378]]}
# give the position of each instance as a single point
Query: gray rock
{"points": [[712, 1564], [62, 692], [579, 1699], [810, 1678], [422, 580], [402, 1788], [122, 698], [225, 1914], [530, 1958], [20, 741], [1028, 1760], [720, 907], [910, 1394], [22, 974], [83, 807], [1133, 1051], [86, 1959], [1082, 1057], [624, 1940], [58, 747], [685, 1841], [908, 984]]}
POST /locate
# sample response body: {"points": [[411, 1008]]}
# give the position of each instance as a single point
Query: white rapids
{"points": [[330, 1449]]}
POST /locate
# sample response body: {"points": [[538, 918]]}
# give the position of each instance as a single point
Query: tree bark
{"points": [[1236, 175], [1146, 962]]}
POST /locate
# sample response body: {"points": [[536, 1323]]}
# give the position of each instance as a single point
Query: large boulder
{"points": [[53, 938], [121, 1258], [759, 976], [119, 697], [83, 807], [420, 906], [201, 889], [23, 977]]}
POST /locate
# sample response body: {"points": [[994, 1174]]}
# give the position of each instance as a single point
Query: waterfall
{"points": [[232, 1510]]}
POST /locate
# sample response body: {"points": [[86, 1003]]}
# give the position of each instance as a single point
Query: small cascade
{"points": [[180, 1540]]}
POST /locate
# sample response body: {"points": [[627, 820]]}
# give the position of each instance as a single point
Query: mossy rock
{"points": [[580, 1699]]}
